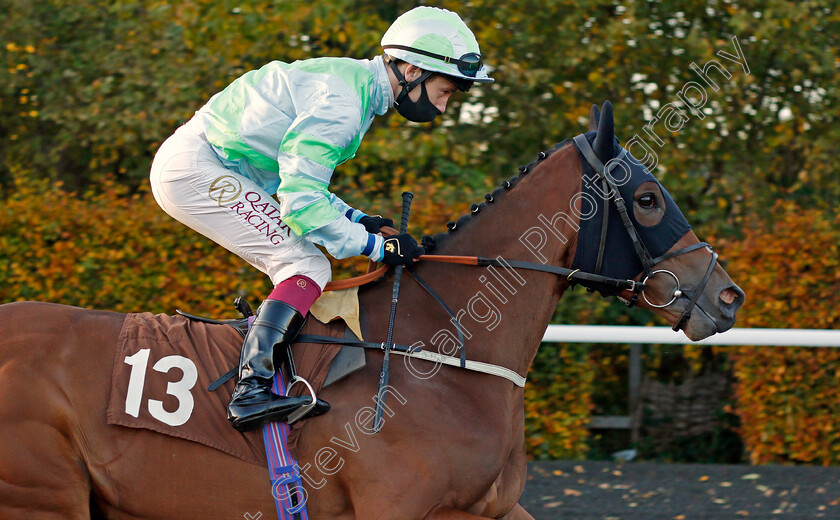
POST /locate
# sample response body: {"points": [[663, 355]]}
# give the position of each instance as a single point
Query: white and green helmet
{"points": [[436, 40]]}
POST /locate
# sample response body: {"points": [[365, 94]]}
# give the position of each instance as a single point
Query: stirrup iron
{"points": [[303, 410]]}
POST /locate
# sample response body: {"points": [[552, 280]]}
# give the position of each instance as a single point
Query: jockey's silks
{"points": [[286, 126]]}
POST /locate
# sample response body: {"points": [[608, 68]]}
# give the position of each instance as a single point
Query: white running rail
{"points": [[664, 335], [636, 336]]}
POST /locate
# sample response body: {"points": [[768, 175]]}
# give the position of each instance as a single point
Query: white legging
{"points": [[192, 185]]}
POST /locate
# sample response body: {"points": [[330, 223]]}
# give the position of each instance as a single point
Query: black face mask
{"points": [[420, 111]]}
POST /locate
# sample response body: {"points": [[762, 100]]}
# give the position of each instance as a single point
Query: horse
{"points": [[452, 445]]}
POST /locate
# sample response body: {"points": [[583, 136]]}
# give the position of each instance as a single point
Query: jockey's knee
{"points": [[320, 271]]}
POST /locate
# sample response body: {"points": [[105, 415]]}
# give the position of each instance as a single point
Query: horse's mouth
{"points": [[701, 324]]}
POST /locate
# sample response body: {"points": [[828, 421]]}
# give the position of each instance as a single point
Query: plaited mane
{"points": [[431, 243]]}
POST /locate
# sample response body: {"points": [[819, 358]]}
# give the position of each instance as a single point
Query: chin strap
{"points": [[404, 83]]}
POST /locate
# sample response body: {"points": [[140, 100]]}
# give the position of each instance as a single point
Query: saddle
{"points": [[163, 365]]}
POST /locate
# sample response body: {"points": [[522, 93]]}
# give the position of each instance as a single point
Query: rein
{"points": [[573, 276], [357, 281]]}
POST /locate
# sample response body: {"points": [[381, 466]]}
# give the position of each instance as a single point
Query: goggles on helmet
{"points": [[469, 64]]}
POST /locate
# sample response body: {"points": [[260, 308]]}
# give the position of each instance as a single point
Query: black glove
{"points": [[372, 224], [401, 249]]}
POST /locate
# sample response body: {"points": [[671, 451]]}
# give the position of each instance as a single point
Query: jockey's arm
{"points": [[352, 214], [320, 138]]}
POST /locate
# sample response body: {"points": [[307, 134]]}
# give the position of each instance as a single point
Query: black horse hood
{"points": [[620, 259]]}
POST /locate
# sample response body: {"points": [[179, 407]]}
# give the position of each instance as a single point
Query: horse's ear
{"points": [[604, 141], [594, 116]]}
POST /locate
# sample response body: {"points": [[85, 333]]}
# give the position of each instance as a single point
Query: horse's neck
{"points": [[504, 311]]}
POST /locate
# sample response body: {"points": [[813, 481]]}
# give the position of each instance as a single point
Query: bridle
{"points": [[611, 194]]}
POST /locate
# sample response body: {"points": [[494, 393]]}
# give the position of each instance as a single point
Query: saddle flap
{"points": [[347, 361]]}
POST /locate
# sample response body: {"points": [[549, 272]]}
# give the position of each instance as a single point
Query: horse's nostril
{"points": [[731, 299], [728, 296]]}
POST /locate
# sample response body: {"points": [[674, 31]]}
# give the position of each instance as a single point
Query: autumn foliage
{"points": [[105, 249], [789, 266], [558, 401]]}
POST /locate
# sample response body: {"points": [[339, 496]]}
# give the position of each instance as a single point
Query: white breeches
{"points": [[192, 185]]}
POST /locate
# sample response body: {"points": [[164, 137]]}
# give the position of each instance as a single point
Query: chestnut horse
{"points": [[453, 445]]}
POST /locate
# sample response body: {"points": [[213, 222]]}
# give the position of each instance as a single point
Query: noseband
{"points": [[611, 194]]}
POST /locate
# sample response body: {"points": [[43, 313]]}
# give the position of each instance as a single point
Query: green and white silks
{"points": [[286, 126]]}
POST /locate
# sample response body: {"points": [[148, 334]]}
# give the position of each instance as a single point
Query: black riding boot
{"points": [[253, 403]]}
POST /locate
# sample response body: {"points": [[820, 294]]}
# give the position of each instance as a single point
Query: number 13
{"points": [[179, 389]]}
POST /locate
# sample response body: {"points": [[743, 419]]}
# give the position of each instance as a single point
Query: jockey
{"points": [[251, 171]]}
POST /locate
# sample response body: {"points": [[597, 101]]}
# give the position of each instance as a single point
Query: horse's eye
{"points": [[648, 200]]}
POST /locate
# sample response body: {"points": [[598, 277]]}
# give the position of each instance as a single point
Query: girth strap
{"points": [[403, 350], [415, 352], [349, 342], [308, 338], [475, 366], [227, 376]]}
